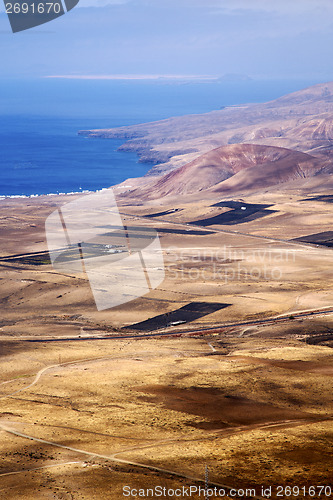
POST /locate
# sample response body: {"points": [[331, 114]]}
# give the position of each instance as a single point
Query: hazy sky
{"points": [[260, 38]]}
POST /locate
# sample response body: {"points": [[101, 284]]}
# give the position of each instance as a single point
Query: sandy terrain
{"points": [[253, 403]]}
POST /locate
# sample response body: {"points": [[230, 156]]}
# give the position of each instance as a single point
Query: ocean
{"points": [[41, 152]]}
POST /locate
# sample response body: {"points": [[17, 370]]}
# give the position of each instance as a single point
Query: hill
{"points": [[302, 121], [234, 168]]}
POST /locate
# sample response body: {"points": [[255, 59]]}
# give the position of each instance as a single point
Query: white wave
{"points": [[13, 196]]}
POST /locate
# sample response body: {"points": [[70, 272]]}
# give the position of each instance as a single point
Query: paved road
{"points": [[217, 328], [197, 331], [188, 225]]}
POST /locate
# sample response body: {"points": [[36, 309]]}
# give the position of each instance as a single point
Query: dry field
{"points": [[81, 418]]}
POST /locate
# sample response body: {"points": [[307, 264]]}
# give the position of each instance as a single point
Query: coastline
{"points": [[62, 194], [159, 145], [71, 193]]}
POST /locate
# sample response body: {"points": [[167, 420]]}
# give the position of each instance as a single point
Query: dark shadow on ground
{"points": [[325, 239], [326, 198], [136, 232], [240, 213], [185, 314], [33, 259], [323, 340], [188, 232], [167, 212], [218, 408]]}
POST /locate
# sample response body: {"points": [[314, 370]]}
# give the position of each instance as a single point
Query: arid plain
{"points": [[252, 402], [226, 365]]}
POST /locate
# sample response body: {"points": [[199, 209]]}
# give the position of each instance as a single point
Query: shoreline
{"points": [[71, 193]]}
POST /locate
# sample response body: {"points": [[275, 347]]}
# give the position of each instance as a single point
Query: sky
{"points": [[264, 39]]}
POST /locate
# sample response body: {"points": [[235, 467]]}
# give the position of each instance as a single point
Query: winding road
{"points": [[225, 432], [198, 331]]}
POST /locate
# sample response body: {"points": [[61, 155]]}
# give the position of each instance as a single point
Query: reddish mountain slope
{"points": [[234, 168], [302, 121]]}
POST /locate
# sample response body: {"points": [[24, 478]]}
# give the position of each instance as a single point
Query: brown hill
{"points": [[302, 121], [291, 167], [234, 168], [317, 128], [320, 94]]}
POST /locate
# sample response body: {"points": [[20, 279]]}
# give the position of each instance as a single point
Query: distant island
{"points": [[144, 77]]}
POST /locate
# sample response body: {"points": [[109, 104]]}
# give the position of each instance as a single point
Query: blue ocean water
{"points": [[41, 155], [41, 152]]}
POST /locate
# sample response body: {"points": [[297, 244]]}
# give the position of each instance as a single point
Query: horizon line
{"points": [[136, 77]]}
